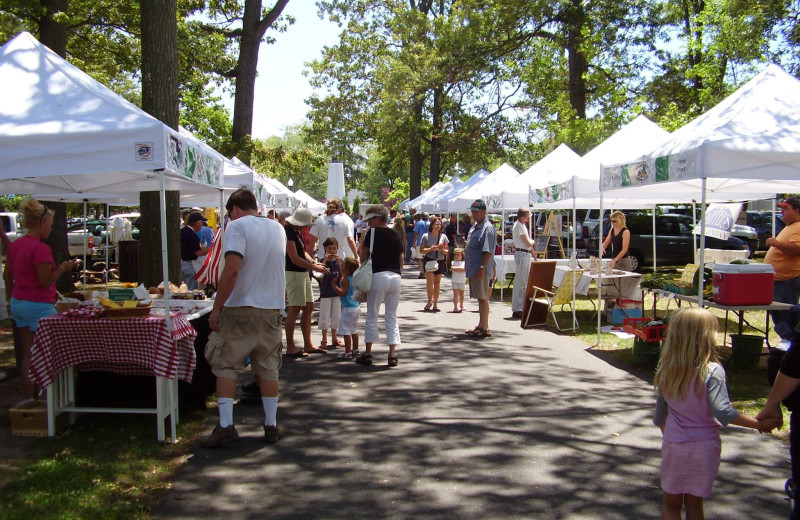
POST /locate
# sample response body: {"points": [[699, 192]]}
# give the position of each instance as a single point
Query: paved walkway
{"points": [[525, 424]]}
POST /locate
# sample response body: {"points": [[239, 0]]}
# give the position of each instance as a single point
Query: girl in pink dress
{"points": [[691, 406]]}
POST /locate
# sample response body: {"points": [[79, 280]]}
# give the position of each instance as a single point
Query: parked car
{"points": [[675, 239], [761, 222], [94, 236]]}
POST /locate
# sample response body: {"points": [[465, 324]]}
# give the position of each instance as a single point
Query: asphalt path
{"points": [[524, 424]]}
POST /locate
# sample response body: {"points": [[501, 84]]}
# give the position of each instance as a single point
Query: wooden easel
{"points": [[550, 232]]}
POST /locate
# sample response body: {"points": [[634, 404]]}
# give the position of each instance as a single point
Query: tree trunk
{"points": [[436, 138], [575, 21], [415, 153], [54, 35], [253, 29], [160, 60], [150, 238]]}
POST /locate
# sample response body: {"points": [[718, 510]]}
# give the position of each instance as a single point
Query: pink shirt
{"points": [[22, 257]]}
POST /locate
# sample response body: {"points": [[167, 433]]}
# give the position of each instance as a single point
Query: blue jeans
{"points": [[785, 291], [409, 245]]}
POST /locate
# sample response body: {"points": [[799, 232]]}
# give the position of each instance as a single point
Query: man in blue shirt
{"points": [[479, 256]]}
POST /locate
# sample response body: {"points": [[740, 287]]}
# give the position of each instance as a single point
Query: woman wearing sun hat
{"points": [[298, 283]]}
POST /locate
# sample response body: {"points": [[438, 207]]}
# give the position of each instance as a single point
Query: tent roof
{"points": [[306, 200], [487, 188], [748, 143], [555, 167], [445, 202], [59, 129]]}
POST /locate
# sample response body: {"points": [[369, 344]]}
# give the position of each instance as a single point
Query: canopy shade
{"points": [[63, 132]]}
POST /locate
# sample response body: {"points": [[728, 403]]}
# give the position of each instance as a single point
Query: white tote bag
{"points": [[362, 278]]}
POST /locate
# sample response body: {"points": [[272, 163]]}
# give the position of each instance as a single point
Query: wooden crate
{"points": [[29, 419]]}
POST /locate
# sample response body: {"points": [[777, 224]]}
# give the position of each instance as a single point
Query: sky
{"points": [[280, 85]]}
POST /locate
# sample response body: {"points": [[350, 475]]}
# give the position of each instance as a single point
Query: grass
{"points": [[748, 388]]}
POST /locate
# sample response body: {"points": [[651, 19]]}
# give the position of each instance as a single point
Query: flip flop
{"points": [[474, 332], [298, 354], [316, 351]]}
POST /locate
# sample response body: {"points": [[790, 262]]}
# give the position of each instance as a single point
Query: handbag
{"points": [[360, 296], [362, 278]]}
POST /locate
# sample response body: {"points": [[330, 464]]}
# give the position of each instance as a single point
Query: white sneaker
{"points": [[784, 345]]}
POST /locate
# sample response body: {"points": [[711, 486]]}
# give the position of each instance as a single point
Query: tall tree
{"points": [[160, 99], [53, 34]]}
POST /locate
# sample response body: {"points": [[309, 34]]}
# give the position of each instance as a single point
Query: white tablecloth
{"points": [[620, 284]]}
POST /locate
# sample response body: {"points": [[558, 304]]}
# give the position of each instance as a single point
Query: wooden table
{"points": [[133, 346]]}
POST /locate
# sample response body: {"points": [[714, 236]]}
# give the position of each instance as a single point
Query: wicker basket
{"points": [[141, 311], [29, 419]]}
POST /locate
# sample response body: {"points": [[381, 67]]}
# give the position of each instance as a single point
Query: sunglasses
{"points": [[46, 209]]}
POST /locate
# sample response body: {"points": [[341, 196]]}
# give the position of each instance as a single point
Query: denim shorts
{"points": [[28, 314]]}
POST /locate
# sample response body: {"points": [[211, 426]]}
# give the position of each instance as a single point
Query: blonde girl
{"points": [[691, 406], [459, 279]]}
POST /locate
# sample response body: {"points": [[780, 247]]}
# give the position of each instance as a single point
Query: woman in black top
{"points": [[387, 257], [619, 237], [298, 283]]}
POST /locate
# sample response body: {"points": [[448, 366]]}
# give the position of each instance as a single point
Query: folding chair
{"points": [[562, 296]]}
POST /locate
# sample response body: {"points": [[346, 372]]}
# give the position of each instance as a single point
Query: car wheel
{"points": [[637, 260]]}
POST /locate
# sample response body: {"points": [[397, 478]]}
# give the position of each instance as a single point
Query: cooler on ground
{"points": [[620, 308], [743, 284]]}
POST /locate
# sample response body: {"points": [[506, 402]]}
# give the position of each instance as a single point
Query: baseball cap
{"points": [[196, 217], [790, 201], [478, 205]]}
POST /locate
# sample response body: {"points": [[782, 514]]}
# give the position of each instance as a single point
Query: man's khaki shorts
{"points": [[479, 287], [298, 288], [246, 331]]}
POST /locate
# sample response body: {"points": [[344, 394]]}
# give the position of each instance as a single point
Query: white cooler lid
{"points": [[743, 268]]}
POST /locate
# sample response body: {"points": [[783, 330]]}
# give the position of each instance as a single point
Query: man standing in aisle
{"points": [[420, 228], [191, 248], [246, 314], [523, 247], [784, 256], [481, 243], [334, 223]]}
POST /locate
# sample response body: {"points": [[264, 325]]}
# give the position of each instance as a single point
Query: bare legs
{"points": [[26, 339], [433, 284], [672, 505], [305, 327]]}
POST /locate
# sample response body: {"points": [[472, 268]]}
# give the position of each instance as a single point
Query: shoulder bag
{"points": [[362, 278]]}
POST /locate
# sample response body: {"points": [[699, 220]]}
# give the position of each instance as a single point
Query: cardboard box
{"points": [[743, 284]]}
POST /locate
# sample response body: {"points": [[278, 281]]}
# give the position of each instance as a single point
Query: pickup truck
{"points": [[79, 241]]}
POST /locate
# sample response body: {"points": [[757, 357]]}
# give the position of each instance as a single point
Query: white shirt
{"points": [[338, 226], [262, 244], [518, 233]]}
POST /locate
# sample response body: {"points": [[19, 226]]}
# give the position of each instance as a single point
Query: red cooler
{"points": [[743, 284]]}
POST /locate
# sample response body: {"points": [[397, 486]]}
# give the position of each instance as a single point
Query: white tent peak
{"points": [[630, 141]]}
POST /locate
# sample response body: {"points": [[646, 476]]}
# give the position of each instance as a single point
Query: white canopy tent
{"points": [[429, 203], [445, 202], [488, 189], [425, 195], [283, 197], [554, 168], [62, 132], [304, 200]]}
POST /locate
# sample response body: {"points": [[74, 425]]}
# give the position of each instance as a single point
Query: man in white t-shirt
{"points": [[523, 247], [246, 314], [335, 223]]}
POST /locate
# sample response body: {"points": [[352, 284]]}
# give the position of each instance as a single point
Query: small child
{"points": [[348, 321], [459, 279], [691, 405], [329, 305]]}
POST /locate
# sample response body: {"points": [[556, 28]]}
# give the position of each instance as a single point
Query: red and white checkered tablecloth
{"points": [[133, 346]]}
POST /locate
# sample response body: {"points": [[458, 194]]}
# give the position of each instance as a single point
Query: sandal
{"points": [[392, 361], [364, 359], [478, 332], [345, 355], [427, 308]]}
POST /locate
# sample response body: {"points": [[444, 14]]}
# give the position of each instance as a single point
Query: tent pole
{"points": [[655, 264], [600, 267], [694, 223], [503, 251], [162, 198], [574, 268], [108, 221], [86, 236], [702, 244]]}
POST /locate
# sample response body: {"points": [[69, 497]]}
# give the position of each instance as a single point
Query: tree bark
{"points": [[150, 238], [160, 60], [54, 36], [575, 21], [436, 138], [253, 29], [415, 152]]}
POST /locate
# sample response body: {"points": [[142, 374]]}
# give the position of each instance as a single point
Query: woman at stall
{"points": [[434, 249], [618, 237], [387, 257], [30, 278]]}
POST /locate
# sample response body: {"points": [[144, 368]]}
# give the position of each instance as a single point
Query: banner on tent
{"points": [[550, 193], [720, 219], [648, 171], [190, 161]]}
